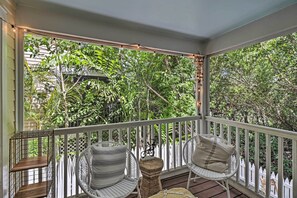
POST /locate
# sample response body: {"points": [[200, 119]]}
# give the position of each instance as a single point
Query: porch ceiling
{"points": [[199, 21]]}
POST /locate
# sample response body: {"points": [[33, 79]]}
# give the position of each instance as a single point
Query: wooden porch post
{"points": [[205, 94], [202, 91], [199, 62]]}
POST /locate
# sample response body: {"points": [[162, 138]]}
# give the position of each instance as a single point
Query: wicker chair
{"points": [[121, 189], [220, 178]]}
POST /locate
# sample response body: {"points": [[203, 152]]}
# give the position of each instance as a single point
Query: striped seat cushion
{"points": [[212, 154], [108, 164]]}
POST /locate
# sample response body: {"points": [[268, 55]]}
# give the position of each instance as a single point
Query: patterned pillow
{"points": [[212, 154], [108, 164]]}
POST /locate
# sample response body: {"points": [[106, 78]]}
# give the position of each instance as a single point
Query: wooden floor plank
{"points": [[233, 193], [202, 188], [211, 192]]}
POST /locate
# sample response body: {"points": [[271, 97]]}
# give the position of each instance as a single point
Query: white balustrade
{"points": [[171, 134]]}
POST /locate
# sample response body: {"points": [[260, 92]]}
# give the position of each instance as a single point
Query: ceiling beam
{"points": [[75, 22], [280, 23]]}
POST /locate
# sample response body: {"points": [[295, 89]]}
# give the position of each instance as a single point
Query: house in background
{"points": [[202, 28]]}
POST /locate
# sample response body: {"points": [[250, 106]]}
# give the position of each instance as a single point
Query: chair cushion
{"points": [[108, 164], [212, 153]]}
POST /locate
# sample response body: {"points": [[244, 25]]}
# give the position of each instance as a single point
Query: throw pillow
{"points": [[108, 164], [212, 154]]}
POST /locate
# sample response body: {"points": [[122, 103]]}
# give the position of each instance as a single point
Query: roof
{"points": [[193, 24]]}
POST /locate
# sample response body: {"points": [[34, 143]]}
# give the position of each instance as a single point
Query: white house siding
{"points": [[8, 89]]}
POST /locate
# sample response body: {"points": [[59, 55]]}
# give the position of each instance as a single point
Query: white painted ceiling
{"points": [[204, 19]]}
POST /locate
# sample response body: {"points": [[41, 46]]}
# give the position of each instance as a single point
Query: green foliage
{"points": [[78, 84], [258, 85]]}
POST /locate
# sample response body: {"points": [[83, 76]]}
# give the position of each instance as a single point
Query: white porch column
{"points": [[202, 91], [199, 62], [205, 94]]}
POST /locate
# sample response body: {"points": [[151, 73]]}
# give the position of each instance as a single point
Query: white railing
{"points": [[287, 184], [170, 135], [252, 176]]}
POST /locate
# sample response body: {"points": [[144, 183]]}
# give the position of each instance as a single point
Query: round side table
{"points": [[150, 182]]}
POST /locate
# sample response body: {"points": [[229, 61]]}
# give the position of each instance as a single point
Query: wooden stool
{"points": [[150, 183]]}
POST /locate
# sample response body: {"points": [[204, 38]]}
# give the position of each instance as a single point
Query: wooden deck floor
{"points": [[202, 188]]}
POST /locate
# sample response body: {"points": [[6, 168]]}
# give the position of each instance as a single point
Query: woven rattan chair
{"points": [[220, 178], [121, 189]]}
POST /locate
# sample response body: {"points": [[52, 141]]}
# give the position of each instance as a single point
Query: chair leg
{"points": [[189, 179], [227, 187], [138, 192]]}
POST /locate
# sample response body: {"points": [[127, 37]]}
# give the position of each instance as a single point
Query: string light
{"points": [[114, 44], [135, 46], [13, 28], [12, 25]]}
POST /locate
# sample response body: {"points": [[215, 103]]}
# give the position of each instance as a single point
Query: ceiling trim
{"points": [[96, 27], [277, 24]]}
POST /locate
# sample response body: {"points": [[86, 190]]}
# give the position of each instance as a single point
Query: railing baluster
{"points": [[55, 192], [152, 135], [160, 140], [192, 134], [294, 167], [215, 128], [268, 164], [137, 143], [120, 136], [180, 144], [129, 138], [89, 138], [192, 129], [65, 165], [76, 157], [129, 147], [221, 131], [280, 169], [229, 135], [237, 150], [100, 136], [257, 151], [144, 132], [246, 153], [110, 139], [173, 145], [186, 137], [167, 147]]}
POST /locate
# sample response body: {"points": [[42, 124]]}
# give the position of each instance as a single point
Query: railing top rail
{"points": [[256, 128], [81, 129]]}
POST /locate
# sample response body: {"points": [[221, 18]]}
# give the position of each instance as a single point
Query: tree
{"points": [[257, 85], [136, 85]]}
